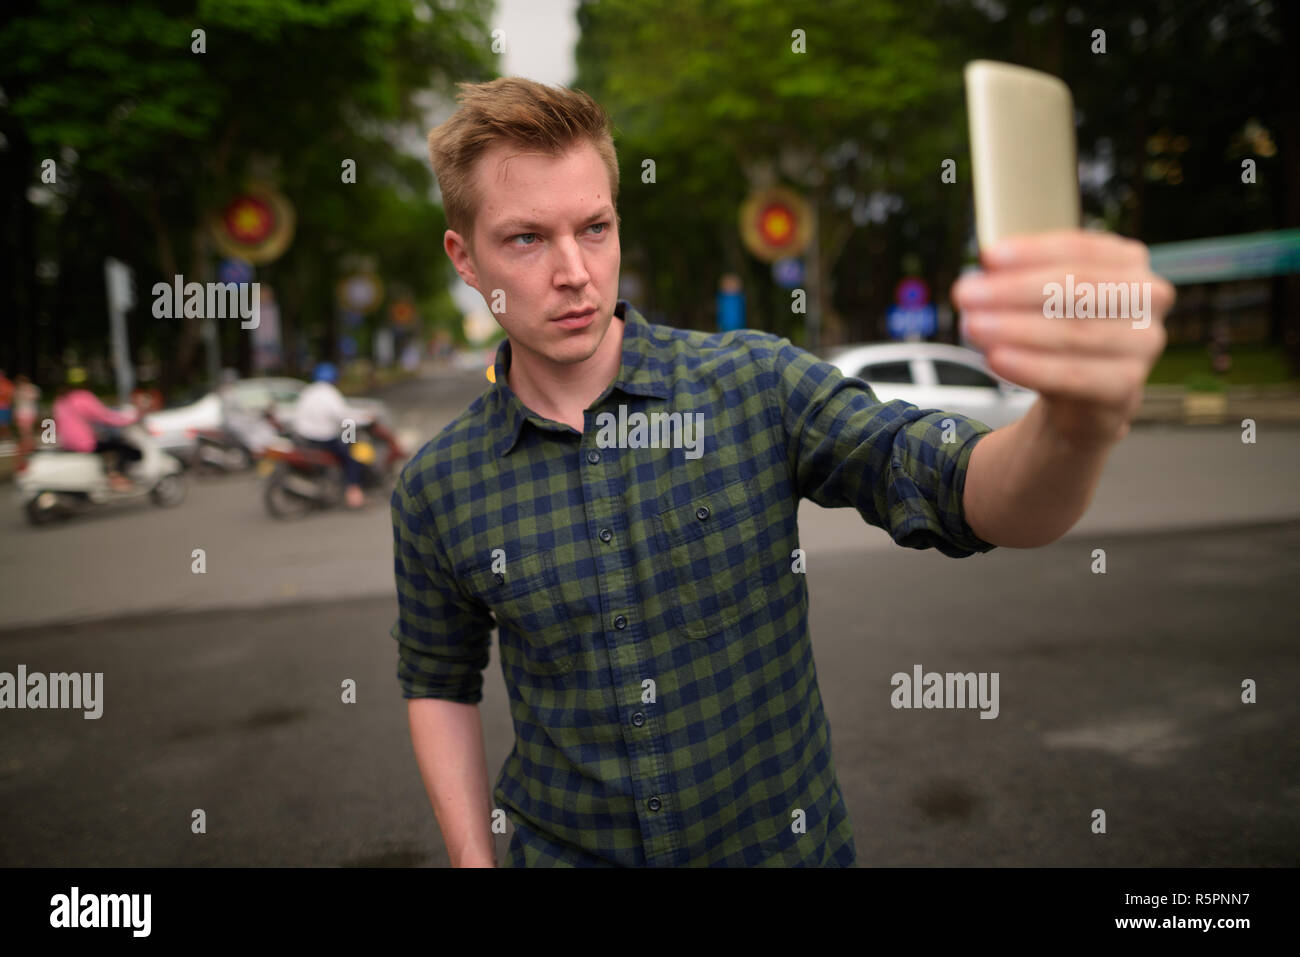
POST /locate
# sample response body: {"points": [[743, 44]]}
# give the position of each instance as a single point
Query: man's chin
{"points": [[574, 350], [574, 347], [569, 351]]}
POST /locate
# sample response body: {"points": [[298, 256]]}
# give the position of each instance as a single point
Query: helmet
{"points": [[325, 372]]}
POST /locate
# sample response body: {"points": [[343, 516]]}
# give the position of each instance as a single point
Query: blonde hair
{"points": [[517, 111]]}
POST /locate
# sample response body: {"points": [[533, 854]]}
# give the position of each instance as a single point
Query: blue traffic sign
{"points": [[913, 323], [234, 270], [787, 273], [912, 293]]}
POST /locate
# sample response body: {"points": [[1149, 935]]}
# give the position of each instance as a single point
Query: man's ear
{"points": [[459, 255]]}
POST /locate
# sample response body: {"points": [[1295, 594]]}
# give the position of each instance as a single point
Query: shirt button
{"points": [[501, 579], [654, 804], [593, 456], [620, 622], [638, 719], [606, 535], [702, 512]]}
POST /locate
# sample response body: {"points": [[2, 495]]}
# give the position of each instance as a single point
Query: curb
{"points": [[1265, 404]]}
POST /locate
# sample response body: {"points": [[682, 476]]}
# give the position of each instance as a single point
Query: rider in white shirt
{"points": [[318, 418], [241, 423]]}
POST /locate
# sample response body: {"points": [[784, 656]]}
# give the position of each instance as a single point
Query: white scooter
{"points": [[56, 483]]}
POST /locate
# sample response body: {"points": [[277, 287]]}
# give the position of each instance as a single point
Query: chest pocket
{"points": [[714, 553], [529, 609]]}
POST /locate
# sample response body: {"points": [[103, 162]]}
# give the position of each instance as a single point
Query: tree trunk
{"points": [[177, 371], [1139, 181]]}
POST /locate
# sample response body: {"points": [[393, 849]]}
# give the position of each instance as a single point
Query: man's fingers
{"points": [[1122, 293], [1107, 381], [1073, 245], [1100, 337]]}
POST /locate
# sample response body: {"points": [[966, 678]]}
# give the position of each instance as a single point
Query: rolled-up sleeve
{"points": [[443, 636], [902, 467]]}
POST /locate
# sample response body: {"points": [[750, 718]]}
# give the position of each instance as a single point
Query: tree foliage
{"points": [[863, 120], [150, 136]]}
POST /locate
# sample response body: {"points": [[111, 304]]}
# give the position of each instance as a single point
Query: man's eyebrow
{"points": [[529, 225]]}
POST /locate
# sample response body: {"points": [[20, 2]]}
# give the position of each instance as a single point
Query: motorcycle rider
{"points": [[318, 418], [76, 411], [27, 396], [240, 423]]}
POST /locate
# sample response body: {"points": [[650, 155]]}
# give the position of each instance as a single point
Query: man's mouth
{"points": [[578, 319], [576, 313]]}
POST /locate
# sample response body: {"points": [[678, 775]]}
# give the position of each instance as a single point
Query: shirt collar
{"points": [[642, 372]]}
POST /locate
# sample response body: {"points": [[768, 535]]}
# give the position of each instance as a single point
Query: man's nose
{"points": [[570, 267]]}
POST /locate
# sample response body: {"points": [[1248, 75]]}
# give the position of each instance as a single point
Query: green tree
{"points": [[150, 136], [862, 121], [734, 92]]}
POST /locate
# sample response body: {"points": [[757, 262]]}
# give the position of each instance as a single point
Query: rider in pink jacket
{"points": [[75, 413]]}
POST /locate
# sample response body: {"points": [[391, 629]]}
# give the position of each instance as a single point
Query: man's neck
{"points": [[564, 392]]}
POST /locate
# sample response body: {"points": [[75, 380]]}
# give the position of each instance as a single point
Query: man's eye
{"points": [[521, 236], [603, 226]]}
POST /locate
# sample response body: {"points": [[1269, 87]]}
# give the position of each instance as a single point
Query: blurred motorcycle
{"points": [[217, 452], [302, 478], [55, 483]]}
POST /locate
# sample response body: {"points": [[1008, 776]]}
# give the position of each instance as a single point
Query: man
{"points": [[653, 634], [27, 396], [318, 417]]}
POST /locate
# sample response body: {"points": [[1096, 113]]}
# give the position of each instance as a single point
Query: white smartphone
{"points": [[1022, 148]]}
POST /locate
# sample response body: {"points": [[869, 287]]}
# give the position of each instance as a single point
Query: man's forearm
{"points": [[1026, 486], [448, 741]]}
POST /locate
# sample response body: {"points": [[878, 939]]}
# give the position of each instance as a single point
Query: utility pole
{"points": [[120, 285]]}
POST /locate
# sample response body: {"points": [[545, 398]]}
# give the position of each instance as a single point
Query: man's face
{"points": [[545, 243]]}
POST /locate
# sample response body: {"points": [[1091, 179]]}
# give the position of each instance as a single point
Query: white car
{"points": [[934, 375], [174, 429]]}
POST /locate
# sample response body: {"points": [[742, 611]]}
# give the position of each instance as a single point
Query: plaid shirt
{"points": [[651, 610]]}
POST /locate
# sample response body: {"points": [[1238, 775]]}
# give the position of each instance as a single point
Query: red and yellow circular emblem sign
{"points": [[775, 223], [402, 312], [255, 226], [248, 220]]}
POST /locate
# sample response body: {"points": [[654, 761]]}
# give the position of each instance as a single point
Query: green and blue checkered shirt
{"points": [[651, 610]]}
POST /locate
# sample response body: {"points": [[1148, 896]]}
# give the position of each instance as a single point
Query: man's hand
{"points": [[1037, 312], [1089, 371]]}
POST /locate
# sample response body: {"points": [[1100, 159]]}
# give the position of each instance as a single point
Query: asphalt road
{"points": [[138, 558], [1119, 691]]}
